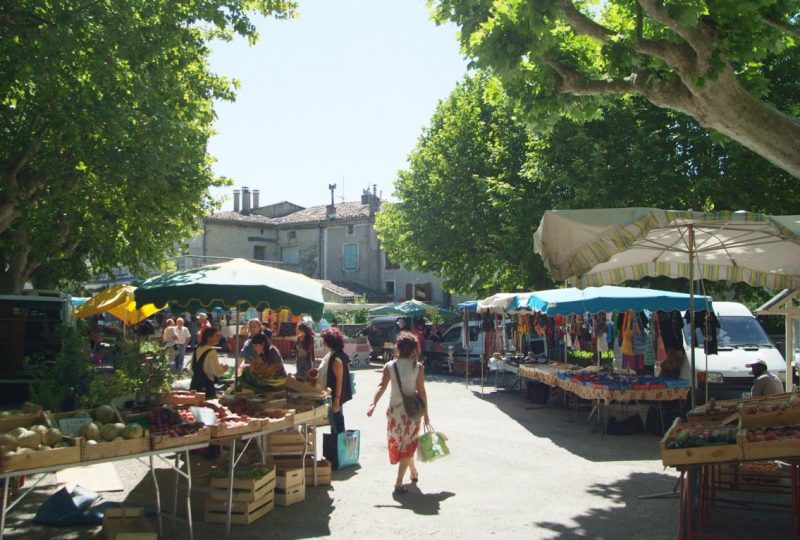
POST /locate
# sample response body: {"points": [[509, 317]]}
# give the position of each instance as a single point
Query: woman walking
{"points": [[402, 431], [336, 372], [305, 350]]}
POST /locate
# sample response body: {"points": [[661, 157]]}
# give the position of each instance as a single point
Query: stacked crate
{"points": [[252, 498], [290, 487]]}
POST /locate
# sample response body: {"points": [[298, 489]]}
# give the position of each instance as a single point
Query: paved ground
{"points": [[516, 471]]}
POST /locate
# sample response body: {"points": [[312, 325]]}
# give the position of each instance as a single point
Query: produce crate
{"points": [[161, 442], [313, 392], [242, 513], [290, 495], [305, 414], [717, 453], [779, 448], [42, 458], [184, 397], [109, 449], [324, 468], [29, 415], [222, 430], [127, 524], [277, 419], [766, 413], [289, 478], [244, 489], [68, 423], [289, 442]]}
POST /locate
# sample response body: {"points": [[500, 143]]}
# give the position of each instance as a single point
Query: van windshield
{"points": [[735, 332]]}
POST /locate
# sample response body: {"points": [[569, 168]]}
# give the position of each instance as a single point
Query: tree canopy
{"points": [[704, 58], [478, 181], [106, 109]]}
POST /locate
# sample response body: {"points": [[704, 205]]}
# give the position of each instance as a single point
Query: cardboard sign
{"points": [[72, 426], [205, 415]]}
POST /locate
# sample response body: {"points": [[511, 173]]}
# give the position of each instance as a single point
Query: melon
{"points": [[52, 436], [90, 431], [133, 431], [8, 443], [30, 439], [17, 432], [109, 431], [91, 442], [24, 450], [43, 447], [40, 429], [62, 444], [104, 413]]}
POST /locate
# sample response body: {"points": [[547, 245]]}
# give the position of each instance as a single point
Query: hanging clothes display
{"points": [[631, 325], [707, 323]]}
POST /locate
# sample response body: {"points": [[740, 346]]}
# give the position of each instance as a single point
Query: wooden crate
{"points": [[307, 390], [220, 431], [289, 478], [324, 468], [244, 489], [62, 420], [43, 458], [242, 513], [700, 454], [289, 442], [785, 417], [305, 414], [104, 449], [291, 495], [161, 442], [277, 419], [127, 524], [183, 397], [780, 448], [29, 415]]}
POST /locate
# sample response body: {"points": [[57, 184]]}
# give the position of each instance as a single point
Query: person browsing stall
{"points": [[248, 354], [305, 350], [766, 384], [335, 372], [206, 369], [183, 336]]}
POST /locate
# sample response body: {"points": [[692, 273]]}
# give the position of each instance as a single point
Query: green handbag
{"points": [[432, 445]]}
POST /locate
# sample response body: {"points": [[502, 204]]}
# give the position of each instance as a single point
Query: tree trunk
{"points": [[16, 266]]}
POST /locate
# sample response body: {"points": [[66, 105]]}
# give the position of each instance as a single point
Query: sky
{"points": [[340, 95]]}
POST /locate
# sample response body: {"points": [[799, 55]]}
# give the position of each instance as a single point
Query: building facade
{"points": [[335, 242]]}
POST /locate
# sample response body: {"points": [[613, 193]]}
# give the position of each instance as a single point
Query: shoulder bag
{"points": [[414, 406]]}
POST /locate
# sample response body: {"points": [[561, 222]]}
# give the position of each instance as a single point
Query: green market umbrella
{"points": [[232, 284], [412, 308]]}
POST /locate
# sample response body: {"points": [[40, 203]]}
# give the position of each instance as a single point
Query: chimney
{"points": [[255, 198], [235, 200], [365, 196], [330, 211], [245, 200], [374, 200]]}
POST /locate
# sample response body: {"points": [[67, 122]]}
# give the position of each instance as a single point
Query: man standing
{"points": [[182, 337], [766, 384], [202, 325]]}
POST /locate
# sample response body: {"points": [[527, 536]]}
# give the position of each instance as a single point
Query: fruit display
{"points": [[229, 422], [753, 435], [693, 436], [165, 421], [34, 438]]}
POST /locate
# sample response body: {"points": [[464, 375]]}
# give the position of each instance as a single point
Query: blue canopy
{"points": [[470, 305], [609, 298]]}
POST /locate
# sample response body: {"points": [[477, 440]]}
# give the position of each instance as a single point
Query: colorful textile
{"points": [[401, 432]]}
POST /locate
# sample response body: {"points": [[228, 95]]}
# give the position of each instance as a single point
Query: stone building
{"points": [[334, 242]]}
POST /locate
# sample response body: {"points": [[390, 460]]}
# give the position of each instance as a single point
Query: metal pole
{"points": [[236, 351], [789, 342], [693, 387]]}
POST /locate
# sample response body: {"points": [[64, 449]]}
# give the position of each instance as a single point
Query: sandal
{"points": [[415, 479], [399, 490]]}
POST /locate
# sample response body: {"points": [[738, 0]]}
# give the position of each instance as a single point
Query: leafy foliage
{"points": [[704, 58], [106, 109], [57, 386]]}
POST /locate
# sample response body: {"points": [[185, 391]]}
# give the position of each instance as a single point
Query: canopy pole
{"points": [[789, 342], [236, 351], [691, 315]]}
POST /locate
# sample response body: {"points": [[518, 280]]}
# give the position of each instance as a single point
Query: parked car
{"points": [[438, 352], [378, 332], [741, 340]]}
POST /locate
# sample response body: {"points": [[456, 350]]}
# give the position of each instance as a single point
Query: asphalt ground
{"points": [[517, 470]]}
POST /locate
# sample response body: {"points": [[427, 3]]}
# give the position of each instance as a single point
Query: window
{"points": [[350, 257], [292, 236], [351, 229], [258, 253], [290, 255], [389, 286], [454, 334], [389, 265], [423, 292]]}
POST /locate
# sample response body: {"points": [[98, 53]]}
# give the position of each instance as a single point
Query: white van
{"points": [[437, 351], [741, 340]]}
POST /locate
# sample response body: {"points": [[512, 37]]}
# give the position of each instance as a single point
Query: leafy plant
{"points": [[58, 385]]}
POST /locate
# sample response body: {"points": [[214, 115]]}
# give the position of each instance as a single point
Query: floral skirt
{"points": [[401, 432]]}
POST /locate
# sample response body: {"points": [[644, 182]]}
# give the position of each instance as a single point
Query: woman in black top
{"points": [[338, 377]]}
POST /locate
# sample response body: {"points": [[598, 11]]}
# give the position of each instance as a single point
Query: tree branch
{"points": [[783, 26], [573, 82], [673, 54], [699, 38], [583, 24]]}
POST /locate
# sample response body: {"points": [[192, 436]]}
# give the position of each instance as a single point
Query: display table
{"points": [[158, 454], [543, 373]]}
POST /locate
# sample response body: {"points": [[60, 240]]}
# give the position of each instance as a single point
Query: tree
{"points": [[704, 58], [465, 209], [106, 109], [478, 182]]}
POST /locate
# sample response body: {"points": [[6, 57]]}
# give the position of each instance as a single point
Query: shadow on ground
{"points": [[425, 504], [571, 430], [630, 517]]}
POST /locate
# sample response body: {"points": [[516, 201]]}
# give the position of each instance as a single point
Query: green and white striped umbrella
{"points": [[610, 246]]}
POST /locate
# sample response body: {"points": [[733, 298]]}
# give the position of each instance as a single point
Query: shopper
{"points": [[304, 347], [766, 384], [182, 340], [337, 376], [247, 353], [206, 369], [202, 325], [169, 338], [402, 431], [266, 367]]}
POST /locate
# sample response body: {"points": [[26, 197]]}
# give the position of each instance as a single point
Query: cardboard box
{"points": [[127, 524]]}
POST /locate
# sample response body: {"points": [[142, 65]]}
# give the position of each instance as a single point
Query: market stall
{"points": [[729, 452]]}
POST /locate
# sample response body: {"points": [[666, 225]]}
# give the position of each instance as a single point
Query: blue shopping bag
{"points": [[342, 449]]}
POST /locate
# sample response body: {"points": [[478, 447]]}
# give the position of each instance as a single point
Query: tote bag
{"points": [[432, 445], [342, 449]]}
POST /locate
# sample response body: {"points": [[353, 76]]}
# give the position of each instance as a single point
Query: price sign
{"points": [[205, 415], [72, 426]]}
